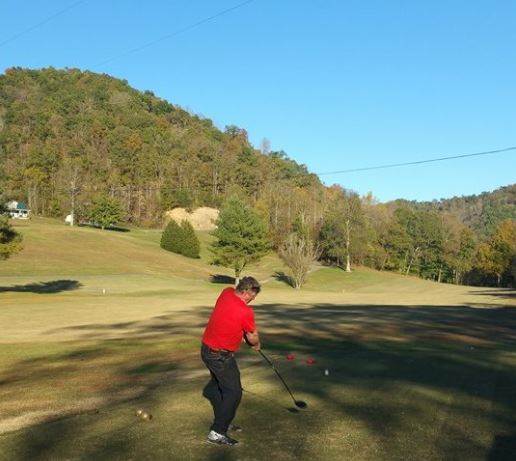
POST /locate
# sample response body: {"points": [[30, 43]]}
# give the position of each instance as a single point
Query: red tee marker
{"points": [[310, 361], [290, 356]]}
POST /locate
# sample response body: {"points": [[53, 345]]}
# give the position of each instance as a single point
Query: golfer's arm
{"points": [[253, 339]]}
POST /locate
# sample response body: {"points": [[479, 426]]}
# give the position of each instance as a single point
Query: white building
{"points": [[17, 210]]}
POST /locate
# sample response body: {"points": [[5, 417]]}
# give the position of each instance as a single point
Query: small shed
{"points": [[17, 210]]}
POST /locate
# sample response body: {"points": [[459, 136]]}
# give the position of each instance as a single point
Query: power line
{"points": [[440, 159], [173, 34], [41, 23]]}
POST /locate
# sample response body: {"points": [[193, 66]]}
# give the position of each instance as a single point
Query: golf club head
{"points": [[300, 404]]}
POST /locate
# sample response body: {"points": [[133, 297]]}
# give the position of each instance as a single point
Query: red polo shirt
{"points": [[230, 319]]}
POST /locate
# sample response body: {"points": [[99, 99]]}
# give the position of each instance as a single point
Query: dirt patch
{"points": [[202, 219]]}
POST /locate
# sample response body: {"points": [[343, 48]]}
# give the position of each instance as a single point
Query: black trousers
{"points": [[224, 389]]}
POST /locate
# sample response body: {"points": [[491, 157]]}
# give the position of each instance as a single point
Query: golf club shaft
{"points": [[269, 361]]}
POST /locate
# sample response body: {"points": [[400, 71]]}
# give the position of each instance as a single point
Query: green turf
{"points": [[416, 370]]}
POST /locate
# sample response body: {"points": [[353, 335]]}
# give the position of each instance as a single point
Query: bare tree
{"points": [[75, 188], [265, 146], [299, 254]]}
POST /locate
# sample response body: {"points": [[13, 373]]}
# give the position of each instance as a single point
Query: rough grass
{"points": [[416, 370], [52, 248]]}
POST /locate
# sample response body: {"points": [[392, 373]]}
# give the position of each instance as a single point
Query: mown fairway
{"points": [[97, 324]]}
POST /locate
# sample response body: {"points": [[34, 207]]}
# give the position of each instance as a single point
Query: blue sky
{"points": [[336, 84]]}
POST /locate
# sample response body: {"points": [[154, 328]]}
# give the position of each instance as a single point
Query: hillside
{"points": [[68, 136], [52, 248]]}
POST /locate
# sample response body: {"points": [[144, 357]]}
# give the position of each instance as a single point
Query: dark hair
{"points": [[248, 283]]}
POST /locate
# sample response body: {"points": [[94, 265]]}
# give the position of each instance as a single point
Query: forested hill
{"points": [[482, 212], [67, 136]]}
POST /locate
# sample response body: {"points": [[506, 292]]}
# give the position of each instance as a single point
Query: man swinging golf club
{"points": [[231, 321]]}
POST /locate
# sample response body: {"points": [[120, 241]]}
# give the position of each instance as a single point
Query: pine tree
{"points": [[241, 236], [171, 237], [190, 245]]}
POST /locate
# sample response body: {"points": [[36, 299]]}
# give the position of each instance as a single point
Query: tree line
{"points": [[89, 145]]}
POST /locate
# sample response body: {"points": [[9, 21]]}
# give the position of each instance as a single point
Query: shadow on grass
{"points": [[220, 278], [54, 286], [118, 374], [504, 293], [503, 449], [108, 228], [285, 278], [424, 382]]}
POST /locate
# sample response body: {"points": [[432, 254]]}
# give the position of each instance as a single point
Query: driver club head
{"points": [[301, 404]]}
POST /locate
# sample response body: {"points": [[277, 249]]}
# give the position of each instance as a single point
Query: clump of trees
{"points": [[416, 240], [181, 239], [343, 229], [496, 257]]}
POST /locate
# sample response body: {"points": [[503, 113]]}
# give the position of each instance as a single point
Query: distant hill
{"points": [[482, 213]]}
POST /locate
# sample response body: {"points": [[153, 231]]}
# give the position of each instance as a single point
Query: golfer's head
{"points": [[247, 289]]}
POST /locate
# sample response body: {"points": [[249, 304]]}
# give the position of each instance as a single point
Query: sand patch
{"points": [[201, 219]]}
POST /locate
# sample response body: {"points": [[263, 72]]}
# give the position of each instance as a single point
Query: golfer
{"points": [[231, 321]]}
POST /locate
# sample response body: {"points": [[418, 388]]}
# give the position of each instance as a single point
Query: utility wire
{"points": [[440, 159], [41, 23], [173, 34]]}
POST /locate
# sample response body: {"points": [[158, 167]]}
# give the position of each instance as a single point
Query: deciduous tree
{"points": [[343, 229], [299, 253], [104, 212], [496, 256]]}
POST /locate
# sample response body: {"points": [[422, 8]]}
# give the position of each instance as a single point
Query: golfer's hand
{"points": [[257, 347], [253, 339]]}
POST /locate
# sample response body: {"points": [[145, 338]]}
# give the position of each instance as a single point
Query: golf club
{"points": [[297, 403]]}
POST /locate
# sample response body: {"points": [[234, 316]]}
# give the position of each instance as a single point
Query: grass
{"points": [[417, 370]]}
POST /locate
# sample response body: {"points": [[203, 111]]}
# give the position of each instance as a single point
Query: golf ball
{"points": [[326, 372], [139, 412], [146, 416]]}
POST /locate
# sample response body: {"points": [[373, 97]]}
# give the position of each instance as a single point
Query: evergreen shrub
{"points": [[180, 239]]}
